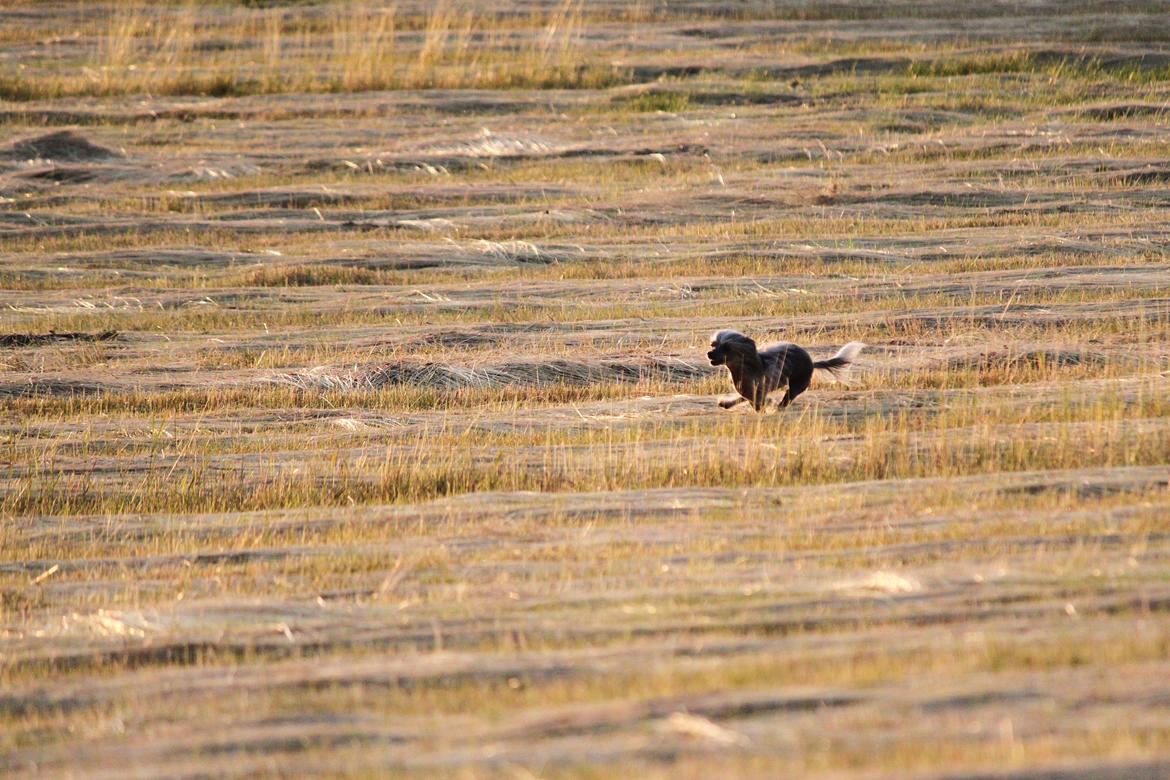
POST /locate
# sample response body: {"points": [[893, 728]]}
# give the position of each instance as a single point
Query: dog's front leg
{"points": [[730, 401]]}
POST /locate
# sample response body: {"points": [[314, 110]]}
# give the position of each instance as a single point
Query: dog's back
{"points": [[784, 362]]}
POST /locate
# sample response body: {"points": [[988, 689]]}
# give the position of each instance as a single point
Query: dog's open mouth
{"points": [[715, 359]]}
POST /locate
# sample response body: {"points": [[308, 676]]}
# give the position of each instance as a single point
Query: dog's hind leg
{"points": [[787, 399], [796, 386]]}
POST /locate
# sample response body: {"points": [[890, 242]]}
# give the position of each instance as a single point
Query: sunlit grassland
{"points": [[139, 47], [837, 230], [127, 274], [956, 436], [996, 315], [355, 418], [133, 47]]}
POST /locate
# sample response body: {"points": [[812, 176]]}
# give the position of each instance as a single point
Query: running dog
{"points": [[755, 373]]}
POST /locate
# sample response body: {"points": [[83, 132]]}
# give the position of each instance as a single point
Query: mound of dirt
{"points": [[446, 376], [61, 145]]}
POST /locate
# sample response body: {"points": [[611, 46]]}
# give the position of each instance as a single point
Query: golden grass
{"points": [[966, 435], [163, 49]]}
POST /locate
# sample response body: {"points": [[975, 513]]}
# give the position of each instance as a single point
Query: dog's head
{"points": [[730, 345]]}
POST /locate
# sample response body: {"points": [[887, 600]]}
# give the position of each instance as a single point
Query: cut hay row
{"points": [[532, 373]]}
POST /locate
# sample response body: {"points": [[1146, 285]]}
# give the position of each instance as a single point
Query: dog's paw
{"points": [[726, 404]]}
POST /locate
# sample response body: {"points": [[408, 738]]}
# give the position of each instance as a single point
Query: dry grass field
{"points": [[356, 420]]}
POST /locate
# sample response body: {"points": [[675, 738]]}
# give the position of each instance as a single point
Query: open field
{"points": [[356, 418]]}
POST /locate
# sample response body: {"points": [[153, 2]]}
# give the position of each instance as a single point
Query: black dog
{"points": [[757, 373]]}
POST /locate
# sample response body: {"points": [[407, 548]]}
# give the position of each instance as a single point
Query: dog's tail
{"points": [[838, 365]]}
